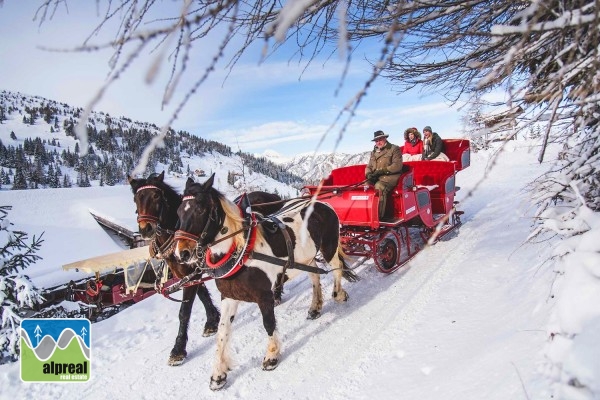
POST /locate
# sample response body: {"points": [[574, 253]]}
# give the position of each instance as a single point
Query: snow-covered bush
{"points": [[569, 209], [16, 290]]}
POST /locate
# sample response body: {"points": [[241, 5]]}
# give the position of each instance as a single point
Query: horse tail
{"points": [[347, 273]]}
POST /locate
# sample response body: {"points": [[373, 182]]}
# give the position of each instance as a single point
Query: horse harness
{"points": [[236, 258]]}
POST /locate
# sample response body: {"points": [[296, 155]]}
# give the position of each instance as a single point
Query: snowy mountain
{"points": [[313, 168], [39, 149], [274, 157], [26, 117]]}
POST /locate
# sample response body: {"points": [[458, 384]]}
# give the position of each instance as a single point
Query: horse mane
{"points": [[233, 220], [173, 198], [170, 193]]}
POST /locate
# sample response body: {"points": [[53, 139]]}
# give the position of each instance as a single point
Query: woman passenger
{"points": [[413, 145]]}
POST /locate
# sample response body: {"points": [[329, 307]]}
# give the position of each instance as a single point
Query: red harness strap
{"points": [[228, 266]]}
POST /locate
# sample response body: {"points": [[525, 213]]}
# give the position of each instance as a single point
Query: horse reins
{"points": [[201, 248], [332, 192]]}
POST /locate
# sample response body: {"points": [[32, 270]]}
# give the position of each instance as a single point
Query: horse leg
{"points": [[267, 309], [178, 352], [222, 361], [316, 306], [212, 313], [339, 294], [278, 289]]}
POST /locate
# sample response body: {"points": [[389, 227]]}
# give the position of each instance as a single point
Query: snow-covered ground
{"points": [[466, 319]]}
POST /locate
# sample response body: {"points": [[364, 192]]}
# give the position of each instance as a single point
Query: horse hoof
{"points": [[217, 384], [177, 359], [209, 331], [313, 314], [341, 297], [270, 365]]}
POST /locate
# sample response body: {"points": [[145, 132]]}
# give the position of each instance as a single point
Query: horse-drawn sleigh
{"points": [[203, 235], [423, 201]]}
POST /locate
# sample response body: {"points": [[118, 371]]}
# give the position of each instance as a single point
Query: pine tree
{"points": [[19, 182], [16, 289], [67, 181], [83, 179]]}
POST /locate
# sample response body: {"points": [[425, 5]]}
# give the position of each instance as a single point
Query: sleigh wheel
{"points": [[387, 254]]}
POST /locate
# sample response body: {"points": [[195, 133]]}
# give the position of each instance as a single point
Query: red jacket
{"points": [[412, 150]]}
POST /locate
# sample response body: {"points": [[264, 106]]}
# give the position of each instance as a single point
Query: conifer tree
{"points": [[16, 289], [67, 181], [19, 182]]}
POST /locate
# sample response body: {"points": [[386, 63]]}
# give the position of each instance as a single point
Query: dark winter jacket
{"points": [[388, 160], [432, 147]]}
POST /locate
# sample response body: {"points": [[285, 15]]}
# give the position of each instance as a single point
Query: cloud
{"points": [[269, 135]]}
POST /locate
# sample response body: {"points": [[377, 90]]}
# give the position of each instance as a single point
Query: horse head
{"points": [[151, 196], [201, 218]]}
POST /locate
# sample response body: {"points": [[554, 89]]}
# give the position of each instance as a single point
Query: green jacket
{"points": [[388, 159]]}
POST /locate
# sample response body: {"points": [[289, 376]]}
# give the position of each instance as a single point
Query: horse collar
{"points": [[235, 258]]}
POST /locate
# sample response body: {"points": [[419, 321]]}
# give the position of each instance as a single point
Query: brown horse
{"points": [[249, 259], [156, 203]]}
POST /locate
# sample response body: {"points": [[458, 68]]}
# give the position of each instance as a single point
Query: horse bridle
{"points": [[200, 239], [167, 247], [151, 218]]}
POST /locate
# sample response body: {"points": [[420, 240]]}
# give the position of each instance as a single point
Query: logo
{"points": [[55, 350]]}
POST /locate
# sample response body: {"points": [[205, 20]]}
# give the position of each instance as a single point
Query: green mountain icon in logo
{"points": [[66, 360]]}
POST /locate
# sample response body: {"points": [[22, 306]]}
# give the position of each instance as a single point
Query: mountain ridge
{"points": [[115, 145]]}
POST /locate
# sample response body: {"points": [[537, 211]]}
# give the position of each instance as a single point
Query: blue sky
{"points": [[259, 107]]}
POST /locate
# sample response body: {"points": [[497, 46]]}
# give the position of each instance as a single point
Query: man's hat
{"points": [[379, 135], [427, 128]]}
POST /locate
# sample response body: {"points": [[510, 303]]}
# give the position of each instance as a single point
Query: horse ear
{"points": [[134, 183], [188, 183], [161, 177], [209, 182]]}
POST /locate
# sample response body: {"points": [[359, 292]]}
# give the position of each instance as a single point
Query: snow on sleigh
{"points": [[422, 207], [127, 276]]}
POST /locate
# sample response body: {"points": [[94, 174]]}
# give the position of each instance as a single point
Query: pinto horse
{"points": [[254, 254], [156, 203]]}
